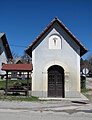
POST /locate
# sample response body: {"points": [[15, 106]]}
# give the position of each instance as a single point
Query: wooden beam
{"points": [[6, 89], [27, 75], [28, 85]]}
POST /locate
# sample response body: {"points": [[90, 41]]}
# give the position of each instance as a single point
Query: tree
{"points": [[10, 61], [26, 58], [90, 59], [86, 64], [14, 55]]}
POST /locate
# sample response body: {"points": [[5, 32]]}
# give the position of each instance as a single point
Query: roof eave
{"points": [[17, 67], [83, 51], [6, 46]]}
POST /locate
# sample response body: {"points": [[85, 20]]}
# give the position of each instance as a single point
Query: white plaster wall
{"points": [[66, 57], [3, 58]]}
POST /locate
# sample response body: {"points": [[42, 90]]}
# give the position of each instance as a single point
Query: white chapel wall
{"points": [[42, 55]]}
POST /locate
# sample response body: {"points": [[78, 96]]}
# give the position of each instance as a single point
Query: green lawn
{"points": [[19, 98], [15, 97]]}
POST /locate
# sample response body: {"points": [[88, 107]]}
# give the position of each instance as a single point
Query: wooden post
{"points": [[28, 85], [6, 89], [27, 75]]}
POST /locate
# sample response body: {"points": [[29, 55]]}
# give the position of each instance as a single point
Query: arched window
{"points": [[54, 42]]}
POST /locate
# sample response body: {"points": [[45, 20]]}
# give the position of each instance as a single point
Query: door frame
{"points": [[59, 70]]}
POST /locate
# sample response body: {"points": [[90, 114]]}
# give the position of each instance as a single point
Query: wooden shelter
{"points": [[18, 68]]}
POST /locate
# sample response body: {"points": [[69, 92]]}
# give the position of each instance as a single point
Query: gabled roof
{"points": [[1, 34], [83, 50], [17, 60], [17, 67], [6, 45]]}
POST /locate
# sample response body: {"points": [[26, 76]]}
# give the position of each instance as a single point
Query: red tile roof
{"points": [[17, 67], [83, 50]]}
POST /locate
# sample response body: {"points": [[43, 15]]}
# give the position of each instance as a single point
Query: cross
{"points": [[55, 40]]}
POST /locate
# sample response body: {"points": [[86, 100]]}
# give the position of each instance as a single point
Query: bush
{"points": [[83, 82]]}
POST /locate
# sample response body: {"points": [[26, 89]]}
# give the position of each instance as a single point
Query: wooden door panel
{"points": [[55, 82]]}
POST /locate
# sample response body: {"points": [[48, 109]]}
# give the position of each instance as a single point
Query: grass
{"points": [[19, 98], [84, 90], [11, 83], [13, 97]]}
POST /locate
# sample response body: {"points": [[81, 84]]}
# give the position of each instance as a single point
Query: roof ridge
{"points": [[83, 51]]}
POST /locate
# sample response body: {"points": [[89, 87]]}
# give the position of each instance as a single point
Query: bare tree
{"points": [[87, 64], [90, 59], [26, 58]]}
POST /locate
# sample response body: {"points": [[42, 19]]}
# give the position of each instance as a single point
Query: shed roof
{"points": [[17, 67], [83, 50]]}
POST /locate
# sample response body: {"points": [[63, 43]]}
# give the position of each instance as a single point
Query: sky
{"points": [[23, 20]]}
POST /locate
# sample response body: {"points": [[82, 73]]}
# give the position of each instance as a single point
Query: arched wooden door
{"points": [[55, 81]]}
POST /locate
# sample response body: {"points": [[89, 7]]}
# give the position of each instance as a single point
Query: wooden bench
{"points": [[13, 90]]}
